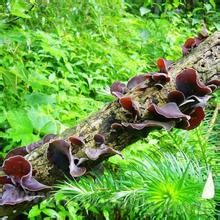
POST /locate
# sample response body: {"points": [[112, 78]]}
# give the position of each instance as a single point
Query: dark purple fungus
{"points": [[59, 153], [176, 96], [17, 151], [31, 147], [4, 180], [137, 80], [19, 170], [99, 139], [212, 87], [164, 65], [118, 89], [189, 84], [13, 195], [194, 101], [150, 123], [48, 137], [45, 139], [168, 111], [197, 115], [158, 85], [183, 124], [161, 77], [95, 153], [78, 141], [188, 104], [199, 101], [189, 44], [213, 84], [128, 104], [116, 126]]}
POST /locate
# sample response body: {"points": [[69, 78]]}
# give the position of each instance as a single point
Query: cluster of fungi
{"points": [[184, 109]]}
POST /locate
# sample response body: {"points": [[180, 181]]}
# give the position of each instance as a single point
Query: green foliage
{"points": [[57, 60], [156, 179], [142, 187]]}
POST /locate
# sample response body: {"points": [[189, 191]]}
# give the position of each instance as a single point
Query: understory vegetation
{"points": [[57, 61]]}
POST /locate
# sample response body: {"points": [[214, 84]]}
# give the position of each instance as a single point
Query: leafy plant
{"points": [[158, 185]]}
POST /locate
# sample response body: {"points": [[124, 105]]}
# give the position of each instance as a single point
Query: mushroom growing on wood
{"points": [[197, 115], [19, 170], [118, 89], [176, 96], [164, 65], [150, 123], [59, 153], [12, 195], [102, 150], [189, 84], [128, 104], [191, 43], [168, 111]]}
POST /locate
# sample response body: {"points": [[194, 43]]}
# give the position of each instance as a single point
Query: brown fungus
{"points": [[150, 123], [161, 77], [128, 104], [19, 170], [197, 115], [48, 138], [213, 84], [199, 101], [176, 96], [13, 195], [168, 111], [164, 65], [194, 42], [31, 147], [5, 180], [213, 87], [189, 84], [76, 141], [194, 101], [95, 153], [189, 44], [22, 151], [116, 126], [99, 139], [137, 80], [118, 89], [59, 153]]}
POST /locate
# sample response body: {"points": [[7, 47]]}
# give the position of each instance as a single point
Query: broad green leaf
{"points": [[19, 8], [36, 98], [51, 213], [144, 11], [34, 212], [42, 123], [212, 2], [21, 127]]}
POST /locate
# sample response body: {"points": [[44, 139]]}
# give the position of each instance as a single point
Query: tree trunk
{"points": [[100, 140]]}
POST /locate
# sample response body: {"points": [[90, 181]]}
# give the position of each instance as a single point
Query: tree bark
{"points": [[204, 59]]}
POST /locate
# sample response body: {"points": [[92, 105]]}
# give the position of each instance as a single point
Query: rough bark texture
{"points": [[205, 59]]}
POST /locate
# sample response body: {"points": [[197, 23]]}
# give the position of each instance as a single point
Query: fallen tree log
{"points": [[173, 97]]}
